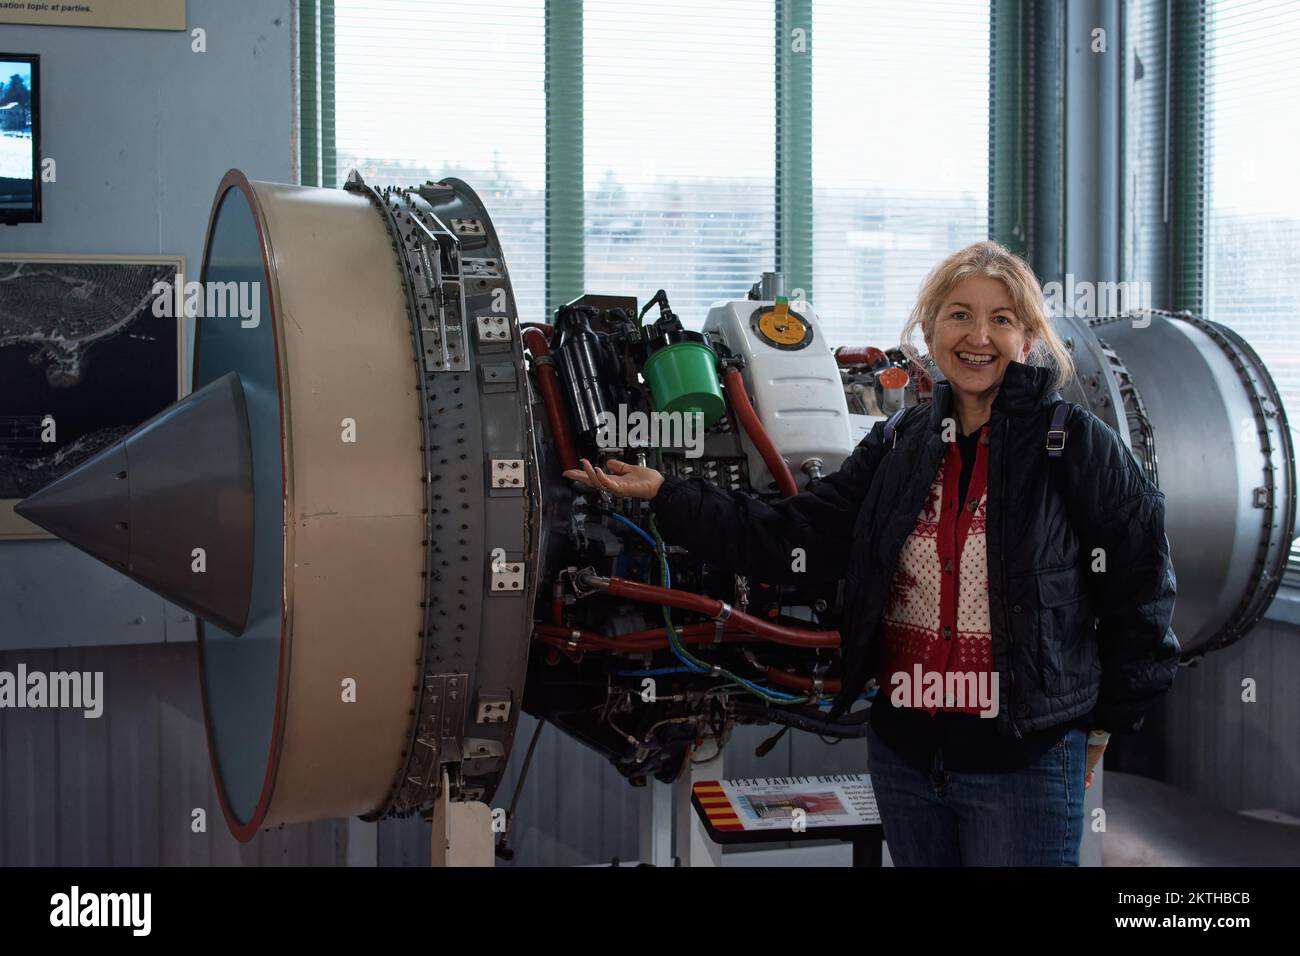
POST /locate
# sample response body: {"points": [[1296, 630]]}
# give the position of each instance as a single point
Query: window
{"points": [[417, 100], [1146, 214], [676, 148], [900, 154], [1252, 244], [1213, 203], [679, 151]]}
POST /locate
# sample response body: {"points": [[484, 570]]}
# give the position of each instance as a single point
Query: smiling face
{"points": [[976, 335]]}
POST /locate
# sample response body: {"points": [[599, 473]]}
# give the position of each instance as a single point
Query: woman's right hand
{"points": [[624, 481]]}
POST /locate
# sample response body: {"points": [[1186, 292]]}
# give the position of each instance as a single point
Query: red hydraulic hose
{"points": [[867, 355], [637, 642], [552, 397], [758, 434], [652, 594], [704, 628], [570, 639], [797, 682]]}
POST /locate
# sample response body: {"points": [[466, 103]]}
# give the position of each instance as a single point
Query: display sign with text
{"points": [[122, 14], [778, 803]]}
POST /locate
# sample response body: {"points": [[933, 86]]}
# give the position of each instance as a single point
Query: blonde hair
{"points": [[993, 261]]}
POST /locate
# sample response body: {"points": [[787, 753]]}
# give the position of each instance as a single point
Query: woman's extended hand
{"points": [[1090, 763], [626, 481]]}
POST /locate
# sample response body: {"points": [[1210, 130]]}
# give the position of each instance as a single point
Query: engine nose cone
{"points": [[170, 505]]}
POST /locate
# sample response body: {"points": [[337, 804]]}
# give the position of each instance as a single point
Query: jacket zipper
{"points": [[1002, 556]]}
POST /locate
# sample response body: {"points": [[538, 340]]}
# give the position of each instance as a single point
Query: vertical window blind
{"points": [[677, 148], [1252, 243], [1252, 247], [1144, 244], [679, 153], [1212, 217], [425, 91], [900, 154]]}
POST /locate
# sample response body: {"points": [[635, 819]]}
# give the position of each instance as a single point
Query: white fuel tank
{"points": [[862, 425], [794, 383]]}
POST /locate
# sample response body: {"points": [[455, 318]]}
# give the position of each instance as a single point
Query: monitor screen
{"points": [[20, 138]]}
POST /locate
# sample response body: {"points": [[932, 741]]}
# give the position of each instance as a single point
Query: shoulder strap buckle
{"points": [[891, 427], [1056, 433]]}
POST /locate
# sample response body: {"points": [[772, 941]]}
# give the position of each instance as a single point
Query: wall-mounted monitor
{"points": [[20, 138]]}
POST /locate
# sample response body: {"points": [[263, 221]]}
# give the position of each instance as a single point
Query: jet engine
{"points": [[394, 566]]}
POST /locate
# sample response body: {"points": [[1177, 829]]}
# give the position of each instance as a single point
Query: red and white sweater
{"points": [[937, 614]]}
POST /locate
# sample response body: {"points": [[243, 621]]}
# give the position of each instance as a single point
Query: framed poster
{"points": [[123, 14], [84, 359]]}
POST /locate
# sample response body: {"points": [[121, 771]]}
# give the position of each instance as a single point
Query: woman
{"points": [[980, 554]]}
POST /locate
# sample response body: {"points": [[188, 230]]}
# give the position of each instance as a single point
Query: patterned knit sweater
{"points": [[920, 607], [937, 616]]}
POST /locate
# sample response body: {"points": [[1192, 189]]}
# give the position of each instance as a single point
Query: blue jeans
{"points": [[1027, 817]]}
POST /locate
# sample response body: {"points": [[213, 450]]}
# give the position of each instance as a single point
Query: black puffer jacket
{"points": [[1067, 640]]}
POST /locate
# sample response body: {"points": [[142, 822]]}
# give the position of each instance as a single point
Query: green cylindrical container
{"points": [[682, 376]]}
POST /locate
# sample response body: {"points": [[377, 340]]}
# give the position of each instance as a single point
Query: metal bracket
{"points": [[492, 708], [437, 742], [508, 578], [498, 377], [480, 268], [508, 473], [493, 329], [430, 259], [482, 755]]}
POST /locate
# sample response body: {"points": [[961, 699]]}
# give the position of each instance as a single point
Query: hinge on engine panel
{"points": [[467, 227], [437, 742]]}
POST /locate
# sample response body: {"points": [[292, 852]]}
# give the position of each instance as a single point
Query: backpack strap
{"points": [[1056, 433], [891, 427]]}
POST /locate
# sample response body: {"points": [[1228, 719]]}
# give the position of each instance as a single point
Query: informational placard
{"points": [[122, 14], [780, 803]]}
